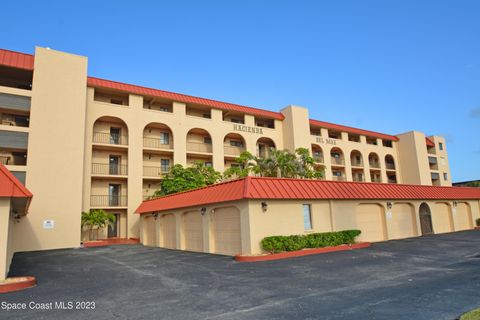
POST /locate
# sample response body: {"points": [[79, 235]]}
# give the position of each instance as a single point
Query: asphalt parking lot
{"points": [[434, 277]]}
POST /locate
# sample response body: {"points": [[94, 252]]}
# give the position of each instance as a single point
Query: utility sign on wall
{"points": [[48, 224]]}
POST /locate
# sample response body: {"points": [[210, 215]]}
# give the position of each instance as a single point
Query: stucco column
{"points": [[179, 134], [4, 232], [135, 168], [217, 143]]}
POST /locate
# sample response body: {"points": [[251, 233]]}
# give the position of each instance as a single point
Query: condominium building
{"points": [[81, 143]]}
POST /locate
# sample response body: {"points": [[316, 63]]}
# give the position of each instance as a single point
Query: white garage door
{"points": [[193, 231], [401, 223], [369, 221], [169, 231], [227, 231], [149, 231], [441, 218], [462, 219]]}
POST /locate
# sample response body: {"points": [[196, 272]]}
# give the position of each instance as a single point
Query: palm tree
{"points": [[279, 163]]}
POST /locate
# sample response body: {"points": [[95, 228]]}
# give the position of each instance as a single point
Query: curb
{"points": [[17, 286], [105, 243], [301, 253]]}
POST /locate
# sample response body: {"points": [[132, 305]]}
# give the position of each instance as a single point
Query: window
{"points": [[445, 176], [208, 164], [165, 165], [116, 101], [164, 109], [207, 140], [337, 173], [307, 217], [387, 143], [235, 120], [164, 138], [206, 115], [440, 146], [236, 143]]}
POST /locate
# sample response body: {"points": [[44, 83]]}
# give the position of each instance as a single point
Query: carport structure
{"points": [[14, 202], [233, 217]]}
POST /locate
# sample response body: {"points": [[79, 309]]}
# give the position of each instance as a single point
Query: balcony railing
{"points": [[338, 178], [392, 180], [199, 147], [390, 166], [376, 179], [149, 171], [232, 151], [156, 143], [318, 158], [109, 169], [108, 201], [358, 178], [374, 164], [110, 138], [357, 163], [14, 120], [338, 161], [4, 160]]}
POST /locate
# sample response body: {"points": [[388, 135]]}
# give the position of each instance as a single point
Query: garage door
{"points": [[149, 231], [169, 231], [193, 231], [401, 222], [462, 219], [227, 232], [369, 221], [441, 218]]}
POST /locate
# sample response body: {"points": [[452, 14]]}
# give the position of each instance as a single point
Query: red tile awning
{"points": [[11, 187], [275, 188]]}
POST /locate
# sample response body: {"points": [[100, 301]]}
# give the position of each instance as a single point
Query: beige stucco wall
{"points": [[326, 144], [55, 152], [5, 237], [285, 217]]}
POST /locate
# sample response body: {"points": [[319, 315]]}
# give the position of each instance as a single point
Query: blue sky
{"points": [[388, 66]]}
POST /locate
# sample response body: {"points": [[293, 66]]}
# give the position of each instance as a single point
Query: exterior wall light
{"points": [[155, 215], [389, 205], [203, 210], [455, 203], [264, 206]]}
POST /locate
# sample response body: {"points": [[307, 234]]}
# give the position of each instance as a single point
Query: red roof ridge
{"points": [[17, 52], [359, 182], [192, 190], [354, 129]]}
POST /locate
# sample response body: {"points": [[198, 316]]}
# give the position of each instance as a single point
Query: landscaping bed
{"points": [[283, 247]]}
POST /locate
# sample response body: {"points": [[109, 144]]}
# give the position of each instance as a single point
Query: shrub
{"points": [[478, 222], [314, 240]]}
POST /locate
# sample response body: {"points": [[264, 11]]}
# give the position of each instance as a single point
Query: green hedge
{"points": [[314, 240]]}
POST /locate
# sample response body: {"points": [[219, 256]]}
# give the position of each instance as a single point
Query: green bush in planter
{"points": [[478, 222], [314, 240]]}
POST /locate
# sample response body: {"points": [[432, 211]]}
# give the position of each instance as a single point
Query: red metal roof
{"points": [[102, 83], [275, 188], [429, 142], [10, 186], [16, 59], [328, 125]]}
